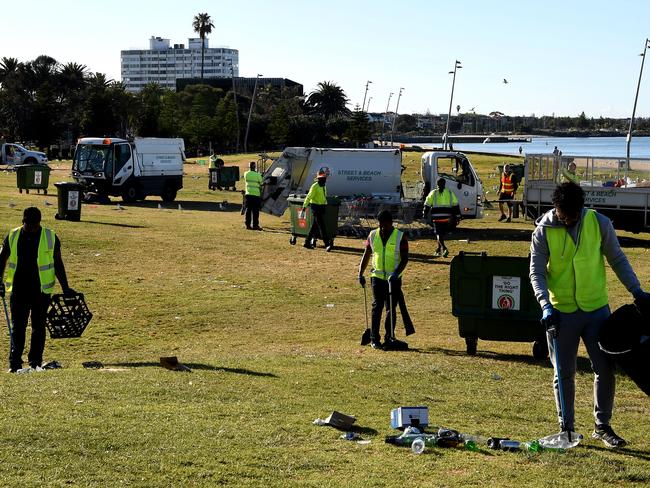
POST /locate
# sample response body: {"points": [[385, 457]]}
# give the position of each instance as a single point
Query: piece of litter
{"points": [[351, 436], [364, 442], [496, 377], [171, 363], [338, 420], [330, 305], [98, 254], [52, 365], [177, 317], [79, 401]]}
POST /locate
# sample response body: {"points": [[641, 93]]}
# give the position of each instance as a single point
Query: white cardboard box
{"points": [[406, 416]]}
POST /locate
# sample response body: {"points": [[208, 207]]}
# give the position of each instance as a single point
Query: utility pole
{"points": [[451, 100], [234, 94], [636, 97], [383, 122], [250, 112], [392, 129]]}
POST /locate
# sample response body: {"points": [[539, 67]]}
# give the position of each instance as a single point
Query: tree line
{"points": [[48, 104]]}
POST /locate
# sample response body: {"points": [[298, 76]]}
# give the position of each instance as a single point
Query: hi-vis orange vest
{"points": [[507, 185]]}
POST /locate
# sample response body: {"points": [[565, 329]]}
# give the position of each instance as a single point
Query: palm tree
{"points": [[328, 100], [202, 25]]}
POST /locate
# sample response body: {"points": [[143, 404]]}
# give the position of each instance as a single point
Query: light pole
{"points": [[451, 100], [364, 95], [636, 97], [368, 108], [392, 128], [383, 121], [250, 112]]}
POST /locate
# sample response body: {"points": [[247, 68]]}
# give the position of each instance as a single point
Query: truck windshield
{"points": [[91, 158]]}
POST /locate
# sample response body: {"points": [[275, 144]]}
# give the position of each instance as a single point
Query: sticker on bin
{"points": [[73, 200], [213, 175], [38, 177], [506, 292]]}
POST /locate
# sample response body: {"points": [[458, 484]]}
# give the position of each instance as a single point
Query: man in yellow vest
{"points": [[507, 190], [252, 197], [388, 248], [568, 174], [32, 256], [567, 272], [441, 209], [316, 200]]}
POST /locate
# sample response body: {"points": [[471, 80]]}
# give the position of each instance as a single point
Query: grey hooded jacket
{"points": [[539, 253]]}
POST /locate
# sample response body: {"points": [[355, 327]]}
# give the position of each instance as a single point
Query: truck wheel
{"points": [[540, 349], [168, 194], [471, 343], [130, 194]]}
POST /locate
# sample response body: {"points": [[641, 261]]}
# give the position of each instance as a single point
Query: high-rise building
{"points": [[164, 64]]}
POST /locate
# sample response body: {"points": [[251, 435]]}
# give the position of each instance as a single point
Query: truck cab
{"points": [[460, 176], [12, 154], [132, 170]]}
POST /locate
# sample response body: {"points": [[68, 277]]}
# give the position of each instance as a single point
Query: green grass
{"points": [[249, 314]]}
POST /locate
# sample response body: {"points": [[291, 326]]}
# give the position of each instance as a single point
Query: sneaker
{"points": [[248, 227], [503, 217], [307, 245], [445, 253], [257, 228], [436, 254], [508, 220], [375, 345], [329, 247], [606, 434]]}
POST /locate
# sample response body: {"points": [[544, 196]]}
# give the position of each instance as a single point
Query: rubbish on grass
{"points": [[409, 416], [496, 377], [561, 440], [92, 365], [52, 365], [364, 442], [350, 436], [338, 420], [171, 363]]}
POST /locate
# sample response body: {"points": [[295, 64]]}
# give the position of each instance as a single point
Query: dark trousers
{"points": [[22, 306], [381, 300], [253, 204], [318, 223]]}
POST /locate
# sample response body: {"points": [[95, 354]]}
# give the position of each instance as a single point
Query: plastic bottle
{"points": [[533, 446], [418, 446], [508, 445], [471, 445]]}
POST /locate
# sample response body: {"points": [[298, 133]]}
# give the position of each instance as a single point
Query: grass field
{"points": [[253, 317]]}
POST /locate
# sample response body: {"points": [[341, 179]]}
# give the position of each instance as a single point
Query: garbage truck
{"points": [[130, 169], [367, 173], [616, 187], [13, 154]]}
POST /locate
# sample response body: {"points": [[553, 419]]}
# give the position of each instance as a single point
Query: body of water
{"points": [[573, 146]]}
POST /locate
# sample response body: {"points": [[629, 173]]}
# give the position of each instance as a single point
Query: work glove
{"points": [[2, 289], [362, 281], [551, 320], [69, 292], [642, 300]]}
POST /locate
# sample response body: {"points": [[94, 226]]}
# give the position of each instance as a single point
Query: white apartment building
{"points": [[164, 64]]}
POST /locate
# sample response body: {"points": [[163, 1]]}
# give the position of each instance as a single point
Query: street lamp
{"points": [[646, 44], [250, 112], [234, 94], [451, 100], [368, 108], [392, 128], [383, 122], [364, 96]]}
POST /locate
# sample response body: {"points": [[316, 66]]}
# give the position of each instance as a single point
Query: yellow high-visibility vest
{"points": [[576, 274], [253, 183], [317, 195], [385, 259], [44, 259]]}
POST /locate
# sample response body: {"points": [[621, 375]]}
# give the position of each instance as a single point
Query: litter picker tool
{"points": [[365, 337], [567, 438], [11, 337], [393, 343]]}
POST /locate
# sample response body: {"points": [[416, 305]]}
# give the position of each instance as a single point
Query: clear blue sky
{"points": [[559, 57]]}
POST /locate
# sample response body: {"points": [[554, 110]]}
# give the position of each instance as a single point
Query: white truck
{"points": [[613, 186], [130, 169], [374, 173], [13, 154]]}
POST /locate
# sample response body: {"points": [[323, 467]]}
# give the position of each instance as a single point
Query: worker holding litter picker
{"points": [[316, 200], [388, 248], [567, 272], [32, 256]]}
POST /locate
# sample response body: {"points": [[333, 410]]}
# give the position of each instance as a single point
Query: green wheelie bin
{"points": [[32, 177], [300, 225], [493, 299], [223, 177], [69, 200]]}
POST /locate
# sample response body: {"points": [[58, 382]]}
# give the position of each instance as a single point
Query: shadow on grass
{"points": [[193, 366], [488, 234], [130, 226], [583, 364], [416, 257], [357, 429], [622, 451], [212, 206]]}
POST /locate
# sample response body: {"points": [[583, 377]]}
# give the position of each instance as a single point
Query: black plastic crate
{"points": [[68, 316]]}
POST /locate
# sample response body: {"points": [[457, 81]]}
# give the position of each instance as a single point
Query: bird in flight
{"points": [[505, 82]]}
